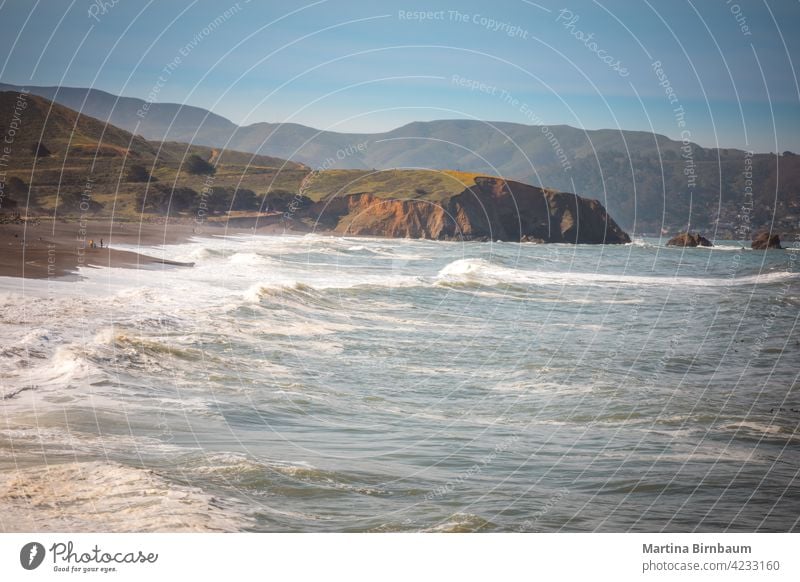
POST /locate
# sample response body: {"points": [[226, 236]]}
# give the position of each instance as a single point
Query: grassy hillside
{"points": [[135, 178], [431, 185], [56, 156]]}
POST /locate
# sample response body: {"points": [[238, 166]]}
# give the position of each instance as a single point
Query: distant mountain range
{"points": [[646, 181]]}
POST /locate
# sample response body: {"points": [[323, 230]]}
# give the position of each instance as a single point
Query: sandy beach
{"points": [[48, 248]]}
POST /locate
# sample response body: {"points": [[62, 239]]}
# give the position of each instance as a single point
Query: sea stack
{"points": [[689, 239], [766, 240]]}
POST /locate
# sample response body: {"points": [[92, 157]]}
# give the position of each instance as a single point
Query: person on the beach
{"points": [[91, 243], [101, 243]]}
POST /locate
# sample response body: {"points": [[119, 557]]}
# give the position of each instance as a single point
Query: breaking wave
{"points": [[480, 271]]}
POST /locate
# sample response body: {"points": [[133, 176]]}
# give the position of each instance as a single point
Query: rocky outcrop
{"points": [[766, 240], [689, 239], [491, 209]]}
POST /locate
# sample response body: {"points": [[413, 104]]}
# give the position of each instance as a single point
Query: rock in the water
{"points": [[531, 238], [689, 239], [765, 240]]}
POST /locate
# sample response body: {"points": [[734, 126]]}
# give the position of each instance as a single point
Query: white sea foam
{"points": [[255, 293], [99, 497], [68, 367], [250, 260], [483, 272], [759, 429], [640, 242], [462, 523], [312, 286]]}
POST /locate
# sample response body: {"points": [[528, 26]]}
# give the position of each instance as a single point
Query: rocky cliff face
{"points": [[491, 209]]}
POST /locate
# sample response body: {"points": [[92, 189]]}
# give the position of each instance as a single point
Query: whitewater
{"points": [[320, 383]]}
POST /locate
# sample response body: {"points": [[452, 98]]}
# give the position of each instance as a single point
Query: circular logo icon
{"points": [[31, 555]]}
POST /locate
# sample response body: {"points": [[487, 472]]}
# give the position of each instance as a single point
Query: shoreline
{"points": [[57, 248]]}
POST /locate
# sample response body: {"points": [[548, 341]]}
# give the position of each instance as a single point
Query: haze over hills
{"points": [[647, 181], [162, 122]]}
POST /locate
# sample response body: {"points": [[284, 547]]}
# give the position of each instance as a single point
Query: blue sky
{"points": [[374, 65]]}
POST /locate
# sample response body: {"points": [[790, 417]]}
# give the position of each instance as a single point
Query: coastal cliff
{"points": [[490, 209]]}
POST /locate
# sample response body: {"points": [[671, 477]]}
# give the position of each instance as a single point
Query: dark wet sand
{"points": [[58, 248]]}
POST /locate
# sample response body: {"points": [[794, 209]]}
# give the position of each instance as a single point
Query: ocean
{"points": [[317, 383]]}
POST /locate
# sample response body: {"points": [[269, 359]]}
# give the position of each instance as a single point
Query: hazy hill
{"points": [[161, 122], [61, 130]]}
